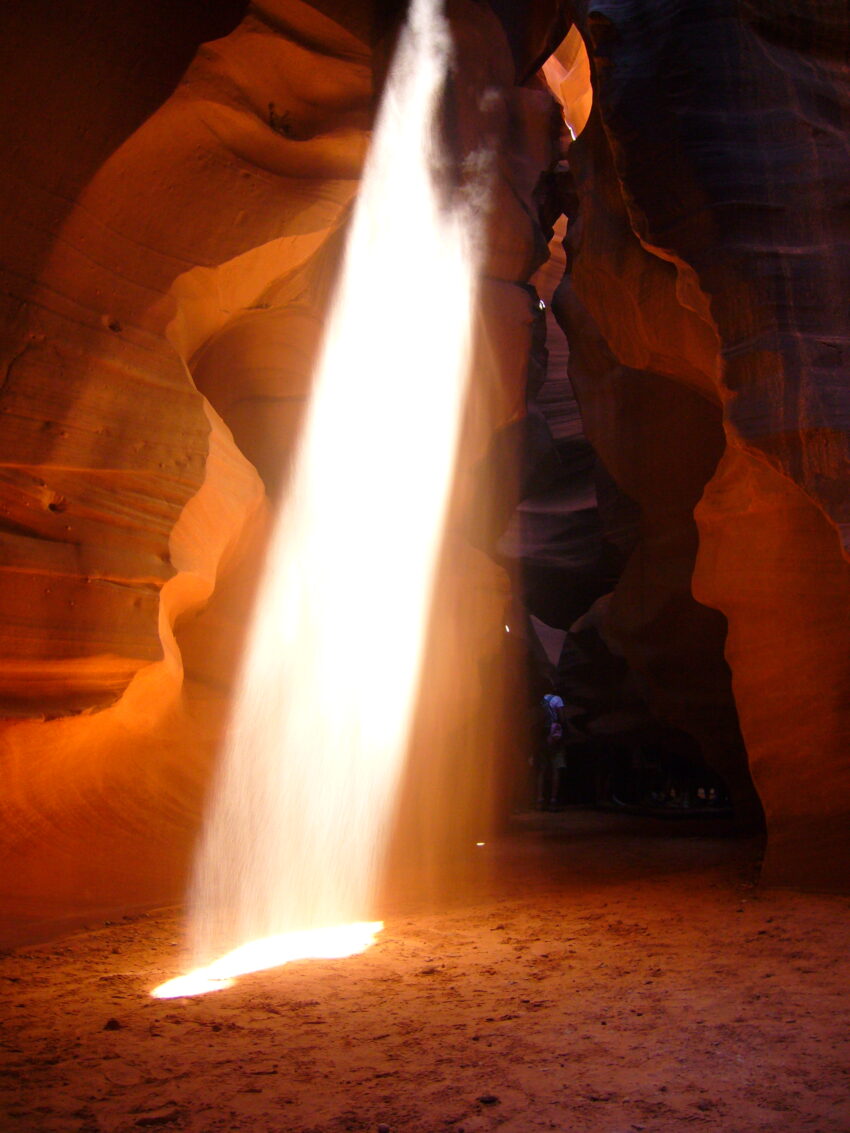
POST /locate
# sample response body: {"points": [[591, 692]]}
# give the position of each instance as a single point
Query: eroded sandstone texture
{"points": [[727, 126], [642, 375], [176, 232], [127, 501], [175, 191]]}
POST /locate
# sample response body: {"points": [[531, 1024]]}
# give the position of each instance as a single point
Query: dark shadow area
{"points": [[57, 121]]}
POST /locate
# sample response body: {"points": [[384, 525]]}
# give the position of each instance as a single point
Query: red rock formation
{"points": [[641, 370], [470, 731], [168, 279], [171, 246], [727, 131], [127, 500]]}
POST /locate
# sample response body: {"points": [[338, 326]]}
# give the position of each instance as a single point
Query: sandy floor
{"points": [[608, 975]]}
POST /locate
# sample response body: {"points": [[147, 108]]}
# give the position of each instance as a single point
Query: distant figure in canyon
{"points": [[551, 753]]}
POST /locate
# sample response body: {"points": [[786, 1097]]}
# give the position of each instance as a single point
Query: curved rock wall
{"points": [[471, 733], [728, 132], [158, 346], [126, 502], [176, 214], [641, 365]]}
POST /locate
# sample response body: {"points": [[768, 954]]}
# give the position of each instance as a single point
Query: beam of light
{"points": [[299, 812]]}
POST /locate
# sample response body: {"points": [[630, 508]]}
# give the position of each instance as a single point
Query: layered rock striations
{"points": [[126, 502], [176, 198], [468, 754], [641, 363], [728, 134], [168, 282]]}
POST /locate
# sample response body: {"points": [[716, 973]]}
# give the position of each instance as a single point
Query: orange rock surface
{"points": [[175, 190], [728, 275], [127, 502], [168, 280]]}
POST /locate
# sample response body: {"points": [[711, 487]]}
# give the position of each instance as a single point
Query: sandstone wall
{"points": [[178, 218], [727, 126], [174, 219], [126, 500]]}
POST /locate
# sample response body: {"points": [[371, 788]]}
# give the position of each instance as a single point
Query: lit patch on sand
{"points": [[334, 943]]}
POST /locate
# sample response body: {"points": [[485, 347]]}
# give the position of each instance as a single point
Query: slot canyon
{"points": [[649, 515]]}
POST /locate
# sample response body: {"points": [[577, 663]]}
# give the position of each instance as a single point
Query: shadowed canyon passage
{"points": [[660, 506]]}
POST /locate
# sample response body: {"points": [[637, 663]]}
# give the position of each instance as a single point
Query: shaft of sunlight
{"points": [[299, 812]]}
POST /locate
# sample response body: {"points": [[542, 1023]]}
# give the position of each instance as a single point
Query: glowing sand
{"points": [[299, 813], [312, 944]]}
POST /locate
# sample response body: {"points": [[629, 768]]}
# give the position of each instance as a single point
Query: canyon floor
{"points": [[601, 974]]}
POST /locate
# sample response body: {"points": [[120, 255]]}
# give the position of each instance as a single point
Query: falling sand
{"points": [[303, 801]]}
